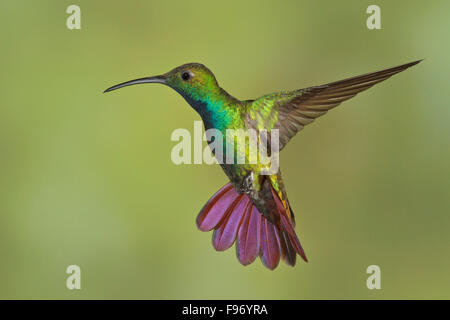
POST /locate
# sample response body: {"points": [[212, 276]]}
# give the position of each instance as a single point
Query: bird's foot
{"points": [[247, 184]]}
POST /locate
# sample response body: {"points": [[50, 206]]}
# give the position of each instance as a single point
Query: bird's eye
{"points": [[185, 76]]}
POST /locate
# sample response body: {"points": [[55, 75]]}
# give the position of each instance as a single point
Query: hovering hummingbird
{"points": [[253, 208]]}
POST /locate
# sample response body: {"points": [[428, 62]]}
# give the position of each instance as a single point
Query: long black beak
{"points": [[157, 79]]}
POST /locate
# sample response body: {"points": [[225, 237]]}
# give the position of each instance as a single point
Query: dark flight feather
{"points": [[310, 103]]}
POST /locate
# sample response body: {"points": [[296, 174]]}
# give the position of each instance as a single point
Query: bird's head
{"points": [[193, 81]]}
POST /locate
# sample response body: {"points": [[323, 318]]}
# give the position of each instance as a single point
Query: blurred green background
{"points": [[86, 178]]}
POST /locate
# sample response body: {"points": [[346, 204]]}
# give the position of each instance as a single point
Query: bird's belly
{"points": [[236, 173], [240, 158]]}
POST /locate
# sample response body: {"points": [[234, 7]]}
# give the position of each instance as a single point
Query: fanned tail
{"points": [[234, 218]]}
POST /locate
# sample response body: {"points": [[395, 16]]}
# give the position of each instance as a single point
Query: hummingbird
{"points": [[252, 209]]}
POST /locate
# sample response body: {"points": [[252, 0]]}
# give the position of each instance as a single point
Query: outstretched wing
{"points": [[291, 111]]}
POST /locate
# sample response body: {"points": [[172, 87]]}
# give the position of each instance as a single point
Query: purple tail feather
{"points": [[234, 218]]}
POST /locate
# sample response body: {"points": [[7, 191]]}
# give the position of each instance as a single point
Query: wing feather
{"points": [[291, 112]]}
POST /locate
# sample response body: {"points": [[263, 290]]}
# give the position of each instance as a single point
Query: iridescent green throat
{"points": [[217, 108]]}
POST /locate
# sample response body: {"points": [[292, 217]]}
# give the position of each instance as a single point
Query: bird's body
{"points": [[253, 208]]}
